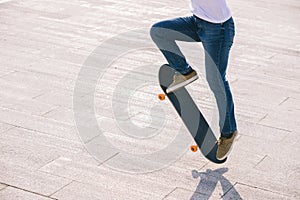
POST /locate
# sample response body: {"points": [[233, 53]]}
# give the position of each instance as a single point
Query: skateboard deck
{"points": [[190, 115]]}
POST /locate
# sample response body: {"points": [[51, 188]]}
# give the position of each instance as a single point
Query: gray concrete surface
{"points": [[43, 47]]}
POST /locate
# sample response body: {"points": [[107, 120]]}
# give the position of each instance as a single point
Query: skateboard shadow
{"points": [[208, 183]]}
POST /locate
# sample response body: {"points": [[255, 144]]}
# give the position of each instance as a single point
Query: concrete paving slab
{"points": [[270, 134], [82, 191], [159, 137], [286, 173], [286, 115], [180, 193], [33, 107], [31, 180], [18, 92], [31, 80], [264, 148], [33, 150], [38, 123], [90, 174], [19, 194], [63, 100], [61, 114], [250, 192]]}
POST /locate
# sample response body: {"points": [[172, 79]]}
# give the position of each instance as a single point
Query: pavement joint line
{"points": [[39, 95], [53, 43], [53, 174], [169, 193], [261, 160], [286, 99], [189, 190], [281, 129], [61, 189], [27, 129], [229, 189], [92, 139], [39, 168], [207, 162], [272, 56], [49, 111], [44, 133], [37, 72], [262, 118], [25, 190], [10, 109], [49, 43], [263, 189], [101, 163]]}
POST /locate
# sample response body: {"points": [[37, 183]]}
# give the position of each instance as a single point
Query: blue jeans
{"points": [[217, 39]]}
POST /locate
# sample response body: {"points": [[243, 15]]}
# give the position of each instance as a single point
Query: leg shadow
{"points": [[208, 183]]}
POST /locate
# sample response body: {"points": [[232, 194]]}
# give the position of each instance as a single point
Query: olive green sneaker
{"points": [[180, 80], [225, 145]]}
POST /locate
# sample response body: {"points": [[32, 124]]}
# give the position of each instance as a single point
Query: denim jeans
{"points": [[217, 39]]}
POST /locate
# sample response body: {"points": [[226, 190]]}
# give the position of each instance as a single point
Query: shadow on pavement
{"points": [[208, 183]]}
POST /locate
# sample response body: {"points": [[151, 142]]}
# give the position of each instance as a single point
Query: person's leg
{"points": [[166, 33], [217, 40]]}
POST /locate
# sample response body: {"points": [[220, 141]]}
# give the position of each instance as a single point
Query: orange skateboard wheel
{"points": [[194, 148], [161, 97]]}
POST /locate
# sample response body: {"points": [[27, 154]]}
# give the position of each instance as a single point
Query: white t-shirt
{"points": [[215, 11]]}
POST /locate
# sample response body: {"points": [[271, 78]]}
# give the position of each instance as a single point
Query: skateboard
{"points": [[191, 116]]}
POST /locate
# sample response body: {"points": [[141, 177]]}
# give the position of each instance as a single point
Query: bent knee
{"points": [[156, 30]]}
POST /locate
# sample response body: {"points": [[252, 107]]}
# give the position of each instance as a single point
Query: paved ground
{"points": [[46, 44]]}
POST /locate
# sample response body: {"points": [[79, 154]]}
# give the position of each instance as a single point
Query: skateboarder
{"points": [[213, 26]]}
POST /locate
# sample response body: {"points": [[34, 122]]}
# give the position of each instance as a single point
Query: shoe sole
{"points": [[180, 85], [234, 140]]}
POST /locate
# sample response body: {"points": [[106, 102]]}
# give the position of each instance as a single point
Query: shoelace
{"points": [[220, 141]]}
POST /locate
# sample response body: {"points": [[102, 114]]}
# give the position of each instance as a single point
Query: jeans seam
{"points": [[227, 117]]}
